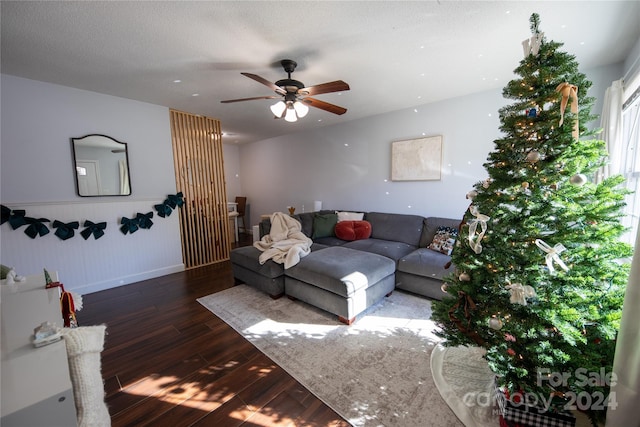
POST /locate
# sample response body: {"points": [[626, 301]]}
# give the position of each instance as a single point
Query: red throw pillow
{"points": [[353, 230]]}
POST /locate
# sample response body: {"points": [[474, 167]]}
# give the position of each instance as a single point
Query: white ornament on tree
{"points": [[552, 254], [480, 219], [520, 293], [495, 323], [531, 46]]}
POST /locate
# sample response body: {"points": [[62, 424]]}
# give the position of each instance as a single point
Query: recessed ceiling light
{"points": [[177, 81], [195, 94]]}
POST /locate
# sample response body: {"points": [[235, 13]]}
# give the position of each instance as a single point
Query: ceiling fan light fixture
{"points": [[291, 115], [278, 108], [301, 109]]}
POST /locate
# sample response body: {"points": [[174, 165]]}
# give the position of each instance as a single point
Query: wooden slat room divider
{"points": [[199, 165]]}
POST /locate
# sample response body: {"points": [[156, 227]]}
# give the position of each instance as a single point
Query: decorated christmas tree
{"points": [[537, 279]]}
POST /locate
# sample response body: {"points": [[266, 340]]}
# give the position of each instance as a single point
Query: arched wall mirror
{"points": [[101, 166]]}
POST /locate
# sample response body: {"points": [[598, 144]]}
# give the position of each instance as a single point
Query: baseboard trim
{"points": [[127, 280]]}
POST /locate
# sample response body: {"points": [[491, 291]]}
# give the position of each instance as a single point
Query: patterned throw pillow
{"points": [[444, 239]]}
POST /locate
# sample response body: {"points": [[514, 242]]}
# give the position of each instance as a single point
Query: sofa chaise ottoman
{"points": [[341, 281], [267, 277]]}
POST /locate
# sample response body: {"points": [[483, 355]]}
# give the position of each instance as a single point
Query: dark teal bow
{"points": [[36, 227], [129, 225], [6, 214], [144, 220], [65, 231], [174, 200], [96, 229], [16, 219], [163, 209]]}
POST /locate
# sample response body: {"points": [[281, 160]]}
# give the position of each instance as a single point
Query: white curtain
{"points": [[612, 131], [124, 178], [626, 364]]}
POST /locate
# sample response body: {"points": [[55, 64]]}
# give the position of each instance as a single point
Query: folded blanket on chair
{"points": [[286, 243]]}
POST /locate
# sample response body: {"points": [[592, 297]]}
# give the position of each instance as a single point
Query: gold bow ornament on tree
{"points": [[569, 91]]}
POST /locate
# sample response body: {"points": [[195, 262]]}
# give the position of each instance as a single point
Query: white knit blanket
{"points": [[286, 243]]}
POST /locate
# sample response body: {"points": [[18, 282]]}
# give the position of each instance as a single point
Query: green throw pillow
{"points": [[323, 225]]}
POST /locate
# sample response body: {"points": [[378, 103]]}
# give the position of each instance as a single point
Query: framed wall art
{"points": [[417, 159]]}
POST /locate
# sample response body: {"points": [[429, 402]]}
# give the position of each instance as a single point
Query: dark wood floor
{"points": [[168, 361]]}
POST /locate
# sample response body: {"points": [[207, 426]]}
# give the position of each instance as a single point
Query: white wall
{"points": [[37, 174], [348, 166]]}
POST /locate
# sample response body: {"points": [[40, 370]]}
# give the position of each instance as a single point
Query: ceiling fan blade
{"points": [[249, 99], [265, 82], [324, 106], [337, 86]]}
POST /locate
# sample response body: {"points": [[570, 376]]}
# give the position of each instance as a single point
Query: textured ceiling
{"points": [[394, 55]]}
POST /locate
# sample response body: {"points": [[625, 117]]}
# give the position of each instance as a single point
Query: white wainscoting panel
{"points": [[92, 265]]}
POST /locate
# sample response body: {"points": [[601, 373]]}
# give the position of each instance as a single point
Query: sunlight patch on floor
{"points": [[290, 330]]}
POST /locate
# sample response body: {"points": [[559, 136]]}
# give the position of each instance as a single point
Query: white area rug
{"points": [[466, 383], [375, 372]]}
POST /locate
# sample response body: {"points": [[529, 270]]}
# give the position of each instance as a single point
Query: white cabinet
{"points": [[36, 387]]}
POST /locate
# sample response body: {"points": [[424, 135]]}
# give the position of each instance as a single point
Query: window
{"points": [[631, 160]]}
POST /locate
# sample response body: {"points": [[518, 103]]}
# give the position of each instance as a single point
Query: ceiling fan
{"points": [[294, 95]]}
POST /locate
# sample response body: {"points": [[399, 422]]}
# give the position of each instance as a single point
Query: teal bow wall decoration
{"points": [[96, 229], [16, 219], [144, 220], [129, 225], [36, 227], [65, 231], [163, 209], [6, 214], [175, 200]]}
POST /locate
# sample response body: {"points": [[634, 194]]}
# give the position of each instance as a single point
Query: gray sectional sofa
{"points": [[400, 238]]}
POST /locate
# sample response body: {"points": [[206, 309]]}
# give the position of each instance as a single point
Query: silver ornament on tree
{"points": [[578, 179]]}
